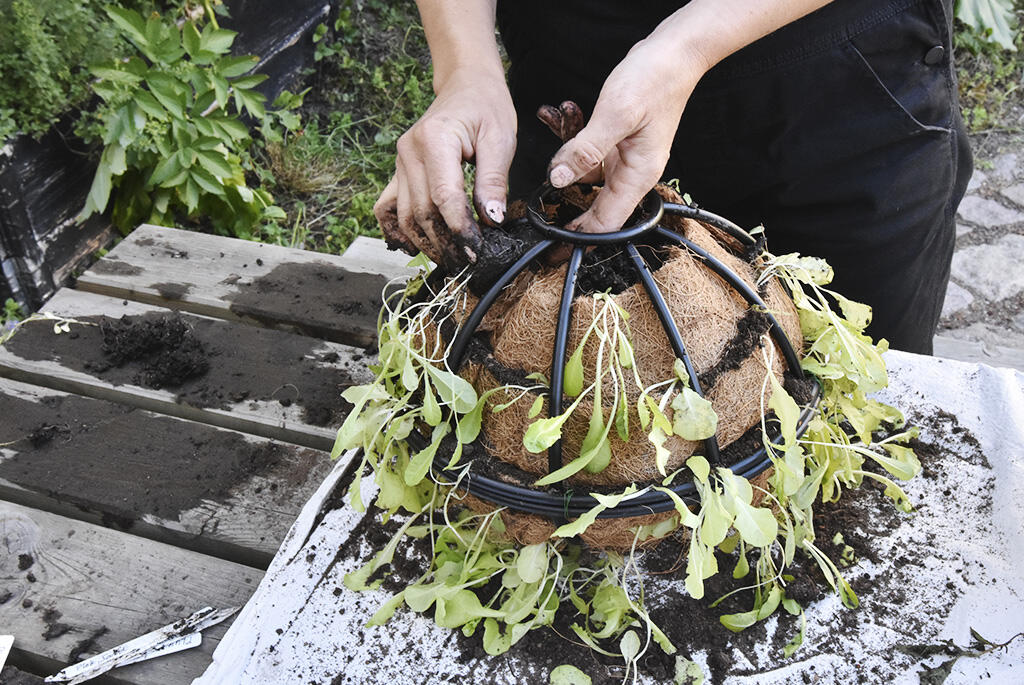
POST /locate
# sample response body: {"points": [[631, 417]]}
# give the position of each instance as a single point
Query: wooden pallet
{"points": [[125, 506]]}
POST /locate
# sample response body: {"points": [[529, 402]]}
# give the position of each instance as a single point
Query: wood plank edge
{"points": [[167, 534], [357, 337], [213, 417]]}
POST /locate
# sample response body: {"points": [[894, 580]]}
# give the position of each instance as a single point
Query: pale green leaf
{"points": [[567, 674], [693, 417], [532, 562]]}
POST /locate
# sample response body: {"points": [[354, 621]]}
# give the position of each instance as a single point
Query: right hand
{"points": [[424, 206]]}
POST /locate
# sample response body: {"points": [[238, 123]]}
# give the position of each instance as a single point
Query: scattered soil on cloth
{"points": [[207, 363], [863, 517], [309, 297], [124, 462], [54, 627]]}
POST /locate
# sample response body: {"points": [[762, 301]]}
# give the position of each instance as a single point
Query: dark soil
{"points": [[749, 329], [306, 297], [86, 646], [125, 462], [54, 627], [207, 363], [165, 347]]}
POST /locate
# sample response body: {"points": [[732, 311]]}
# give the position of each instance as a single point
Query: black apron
{"points": [[840, 133]]}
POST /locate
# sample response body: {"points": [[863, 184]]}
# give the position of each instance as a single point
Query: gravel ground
{"points": [[983, 315]]}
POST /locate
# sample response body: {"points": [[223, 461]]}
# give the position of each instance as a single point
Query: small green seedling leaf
{"points": [[687, 672], [567, 674], [532, 562], [693, 417]]}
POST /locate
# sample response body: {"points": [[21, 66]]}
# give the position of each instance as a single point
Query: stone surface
{"points": [[957, 298], [1004, 167], [1014, 193], [963, 229], [977, 179], [994, 270], [985, 212]]}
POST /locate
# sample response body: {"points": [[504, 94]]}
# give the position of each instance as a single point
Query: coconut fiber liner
{"points": [[724, 337]]}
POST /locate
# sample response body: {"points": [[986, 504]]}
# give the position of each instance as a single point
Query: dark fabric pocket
{"points": [[906, 64]]}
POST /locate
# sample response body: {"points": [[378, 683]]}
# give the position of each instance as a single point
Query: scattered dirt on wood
{"points": [[86, 646], [309, 296], [125, 462], [111, 266], [165, 347], [207, 363], [54, 627]]}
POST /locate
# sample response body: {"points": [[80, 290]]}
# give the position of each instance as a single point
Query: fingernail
{"points": [[561, 176], [495, 210]]}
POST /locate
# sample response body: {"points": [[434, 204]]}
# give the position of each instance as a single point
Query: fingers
{"points": [[585, 152], [493, 159], [440, 199], [622, 192], [565, 121]]}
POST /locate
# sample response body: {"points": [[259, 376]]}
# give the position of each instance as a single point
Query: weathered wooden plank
{"points": [[325, 296], [68, 587], [202, 488], [13, 676], [260, 381]]}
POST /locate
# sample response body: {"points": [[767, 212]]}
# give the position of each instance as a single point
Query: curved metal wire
{"points": [[565, 504]]}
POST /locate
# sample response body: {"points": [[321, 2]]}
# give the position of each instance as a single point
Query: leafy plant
{"points": [[44, 47], [765, 529], [172, 129], [991, 20]]}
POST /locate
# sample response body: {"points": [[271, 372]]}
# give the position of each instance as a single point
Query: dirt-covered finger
{"points": [[552, 118], [410, 228], [494, 153], [622, 192], [572, 120], [386, 211]]}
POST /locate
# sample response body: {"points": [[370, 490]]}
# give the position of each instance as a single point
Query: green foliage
{"points": [[415, 391], [372, 82], [44, 47], [171, 127], [991, 21]]}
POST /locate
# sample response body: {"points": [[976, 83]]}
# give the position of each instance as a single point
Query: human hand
{"points": [[630, 134], [424, 206]]}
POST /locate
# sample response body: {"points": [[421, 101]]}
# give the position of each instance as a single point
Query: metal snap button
{"points": [[934, 55]]}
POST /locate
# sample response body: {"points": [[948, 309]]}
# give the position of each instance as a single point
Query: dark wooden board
{"points": [[202, 488], [325, 296], [65, 584], [261, 381]]}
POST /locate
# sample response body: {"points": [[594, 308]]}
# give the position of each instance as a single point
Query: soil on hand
{"points": [[206, 363]]}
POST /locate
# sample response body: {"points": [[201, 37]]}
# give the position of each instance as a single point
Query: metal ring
{"points": [[652, 204]]}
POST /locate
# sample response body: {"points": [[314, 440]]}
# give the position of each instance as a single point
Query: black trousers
{"points": [[840, 133]]}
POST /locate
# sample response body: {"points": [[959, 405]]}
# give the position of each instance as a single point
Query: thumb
{"points": [[586, 151], [494, 152]]}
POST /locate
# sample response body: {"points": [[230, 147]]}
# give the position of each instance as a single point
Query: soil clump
{"points": [[207, 363]]}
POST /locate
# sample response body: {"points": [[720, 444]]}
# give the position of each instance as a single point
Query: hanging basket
{"points": [[691, 294]]}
